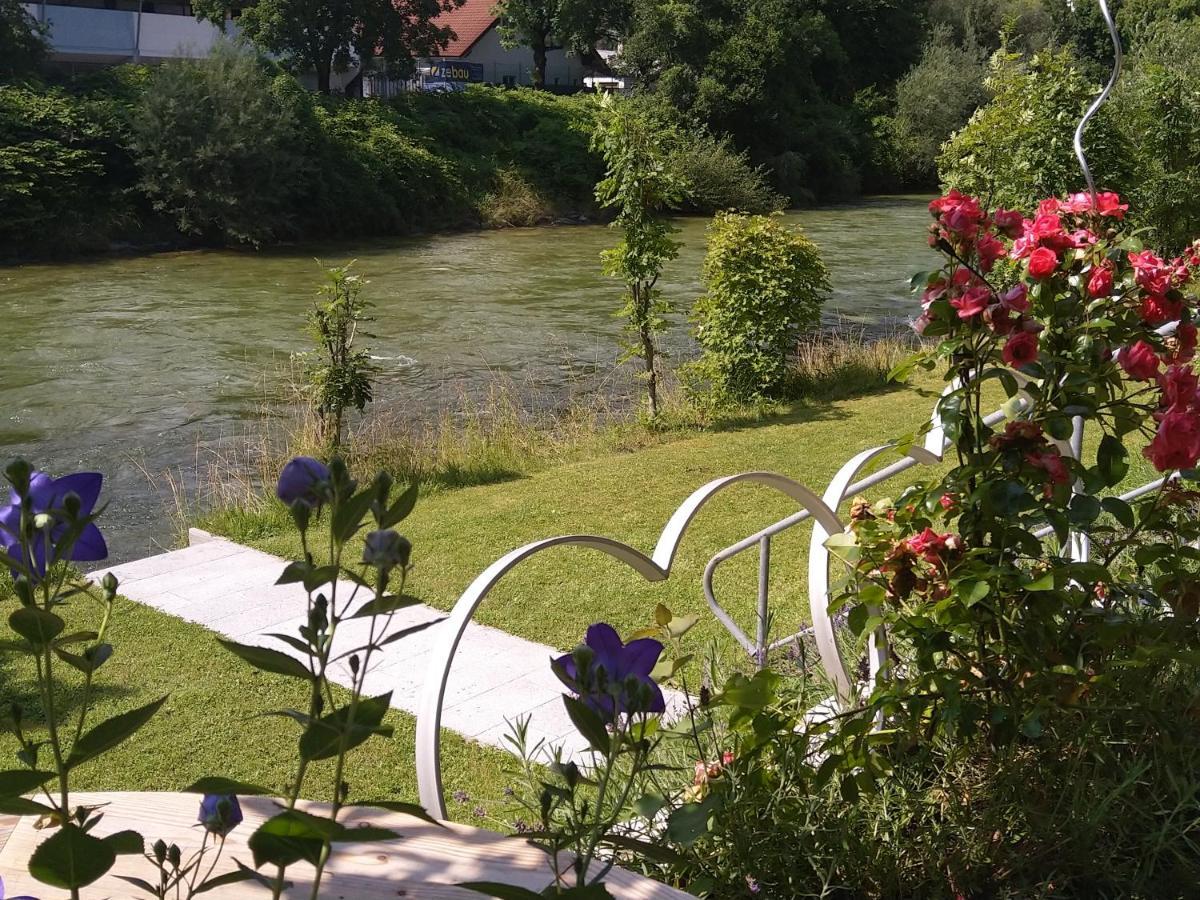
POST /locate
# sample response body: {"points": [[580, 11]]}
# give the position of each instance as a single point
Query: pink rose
{"points": [[1043, 263], [928, 544], [1051, 462], [1021, 349], [1184, 349], [1008, 222], [1016, 298], [991, 248], [1101, 282], [1109, 204], [1140, 361], [1179, 386], [1158, 309], [972, 302], [1177, 443]]}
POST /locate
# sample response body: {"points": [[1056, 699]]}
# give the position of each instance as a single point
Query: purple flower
{"points": [[615, 677], [303, 480], [48, 496], [220, 813]]}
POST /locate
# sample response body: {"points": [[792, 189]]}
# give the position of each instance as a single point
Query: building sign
{"points": [[455, 70]]}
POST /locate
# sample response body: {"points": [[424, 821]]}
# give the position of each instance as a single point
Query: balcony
{"points": [[87, 34]]}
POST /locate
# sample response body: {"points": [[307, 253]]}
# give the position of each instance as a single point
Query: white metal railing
{"points": [[822, 510]]}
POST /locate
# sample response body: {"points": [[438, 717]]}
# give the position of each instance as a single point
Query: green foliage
{"points": [[935, 99], [1018, 148], [778, 76], [640, 185], [325, 36], [719, 176], [765, 285], [1158, 109], [64, 169], [339, 373], [216, 148], [22, 41]]}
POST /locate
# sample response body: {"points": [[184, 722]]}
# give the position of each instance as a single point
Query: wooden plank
{"points": [[424, 864]]}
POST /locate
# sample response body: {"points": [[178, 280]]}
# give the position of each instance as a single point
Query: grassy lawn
{"points": [[212, 723], [629, 496]]}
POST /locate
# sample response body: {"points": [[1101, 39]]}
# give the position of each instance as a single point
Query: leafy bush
{"points": [[720, 177], [1159, 111], [513, 202], [765, 285], [1018, 148], [216, 148], [64, 171], [935, 99]]}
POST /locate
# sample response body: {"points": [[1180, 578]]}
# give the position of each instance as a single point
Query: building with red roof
{"points": [[477, 45]]}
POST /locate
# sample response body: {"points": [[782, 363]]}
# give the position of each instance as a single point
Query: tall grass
{"points": [[504, 432]]}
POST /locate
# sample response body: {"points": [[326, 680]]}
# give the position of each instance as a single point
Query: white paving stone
{"points": [[231, 590]]}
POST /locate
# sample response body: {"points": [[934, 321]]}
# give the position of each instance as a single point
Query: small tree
{"points": [[640, 183], [22, 40], [766, 284], [339, 374]]}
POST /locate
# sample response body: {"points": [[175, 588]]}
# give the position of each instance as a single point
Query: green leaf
{"points": [[71, 858], [648, 805], [293, 835], [688, 823], [382, 606], [1119, 510], [974, 591], [219, 785], [409, 809], [662, 616], [349, 515], [588, 723], [1084, 509], [500, 891], [1112, 459], [268, 660], [681, 625], [36, 625], [111, 732], [399, 510], [125, 842], [324, 738], [15, 782], [235, 877]]}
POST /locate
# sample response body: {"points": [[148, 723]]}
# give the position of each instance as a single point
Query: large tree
{"points": [[578, 26], [325, 36], [529, 23], [22, 40]]}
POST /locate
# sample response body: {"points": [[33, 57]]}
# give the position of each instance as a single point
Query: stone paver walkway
{"points": [[231, 590]]}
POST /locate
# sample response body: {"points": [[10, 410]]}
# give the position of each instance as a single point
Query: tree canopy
{"points": [[22, 40], [325, 36]]}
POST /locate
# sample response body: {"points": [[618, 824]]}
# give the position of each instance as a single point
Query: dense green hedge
{"points": [[222, 150], [81, 166]]}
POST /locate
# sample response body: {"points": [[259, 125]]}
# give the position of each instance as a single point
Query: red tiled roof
{"points": [[469, 23]]}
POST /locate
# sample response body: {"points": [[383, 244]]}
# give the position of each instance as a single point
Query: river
{"points": [[130, 364]]}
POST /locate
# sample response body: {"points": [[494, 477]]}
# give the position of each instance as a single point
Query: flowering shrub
{"points": [[993, 630], [49, 523]]}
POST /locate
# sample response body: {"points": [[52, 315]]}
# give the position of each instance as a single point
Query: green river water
{"points": [[132, 364]]}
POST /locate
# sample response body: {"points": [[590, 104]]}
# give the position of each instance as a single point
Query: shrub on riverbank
{"points": [[221, 151]]}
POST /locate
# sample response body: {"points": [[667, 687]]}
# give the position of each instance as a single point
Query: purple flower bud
{"points": [[220, 813], [386, 550], [303, 481]]}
